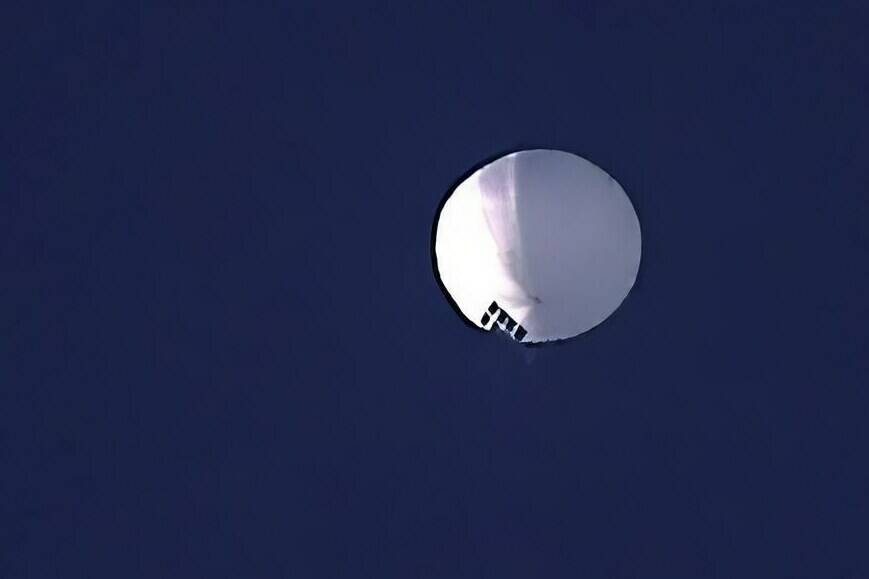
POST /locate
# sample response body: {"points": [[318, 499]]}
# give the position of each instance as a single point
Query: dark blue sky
{"points": [[224, 353]]}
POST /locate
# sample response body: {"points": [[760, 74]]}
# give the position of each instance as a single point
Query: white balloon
{"points": [[541, 243]]}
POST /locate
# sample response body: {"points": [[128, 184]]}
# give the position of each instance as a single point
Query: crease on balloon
{"points": [[497, 186]]}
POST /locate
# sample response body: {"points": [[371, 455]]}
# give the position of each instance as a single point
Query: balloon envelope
{"points": [[540, 243]]}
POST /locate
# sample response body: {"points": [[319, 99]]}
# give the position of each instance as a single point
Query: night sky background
{"points": [[225, 354]]}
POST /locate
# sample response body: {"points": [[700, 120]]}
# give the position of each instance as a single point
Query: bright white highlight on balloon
{"points": [[541, 244]]}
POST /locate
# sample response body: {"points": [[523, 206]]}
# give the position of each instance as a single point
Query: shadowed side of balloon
{"points": [[553, 232]]}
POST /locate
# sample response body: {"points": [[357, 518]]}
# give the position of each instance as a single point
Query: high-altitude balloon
{"points": [[541, 244]]}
